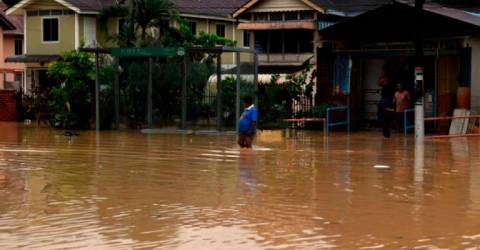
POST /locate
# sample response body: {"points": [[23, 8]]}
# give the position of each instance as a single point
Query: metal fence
{"points": [[302, 106]]}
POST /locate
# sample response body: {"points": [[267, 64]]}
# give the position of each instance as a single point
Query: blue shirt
{"points": [[249, 115]]}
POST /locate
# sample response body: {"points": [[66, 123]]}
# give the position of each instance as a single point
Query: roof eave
{"points": [[16, 9], [250, 3]]}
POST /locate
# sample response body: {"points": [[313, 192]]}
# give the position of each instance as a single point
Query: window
{"points": [[18, 78], [275, 41], [121, 25], [50, 12], [291, 15], [292, 41], [193, 27], [164, 26], [32, 13], [246, 38], [90, 31], [261, 40], [221, 30], [306, 43], [276, 16], [45, 12], [50, 29], [56, 12], [261, 16], [18, 47], [306, 15]]}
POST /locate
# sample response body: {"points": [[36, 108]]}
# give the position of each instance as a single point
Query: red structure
{"points": [[8, 106]]}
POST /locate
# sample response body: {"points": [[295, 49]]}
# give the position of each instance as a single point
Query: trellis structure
{"points": [[150, 53]]}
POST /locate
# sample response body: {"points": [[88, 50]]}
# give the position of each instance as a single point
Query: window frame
{"points": [[194, 25], [120, 19], [58, 28], [246, 39], [20, 42], [224, 29]]}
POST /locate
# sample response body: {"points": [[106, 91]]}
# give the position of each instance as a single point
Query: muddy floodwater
{"points": [[127, 190]]}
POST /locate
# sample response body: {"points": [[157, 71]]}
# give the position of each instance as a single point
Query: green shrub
{"points": [[70, 96]]}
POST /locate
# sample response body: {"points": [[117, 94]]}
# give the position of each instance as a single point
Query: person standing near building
{"points": [[388, 115], [386, 91], [247, 125], [402, 101]]}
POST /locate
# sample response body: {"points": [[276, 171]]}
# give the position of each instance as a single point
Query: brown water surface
{"points": [[124, 190]]}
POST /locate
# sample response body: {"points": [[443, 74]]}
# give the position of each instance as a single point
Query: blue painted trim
{"points": [[346, 122], [406, 127]]}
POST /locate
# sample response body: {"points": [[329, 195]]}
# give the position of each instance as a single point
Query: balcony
{"points": [[284, 25], [287, 59]]}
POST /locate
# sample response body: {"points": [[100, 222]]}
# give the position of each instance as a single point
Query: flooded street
{"points": [[124, 190]]}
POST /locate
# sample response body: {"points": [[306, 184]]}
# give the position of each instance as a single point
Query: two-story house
{"points": [[55, 26], [11, 42], [285, 32]]}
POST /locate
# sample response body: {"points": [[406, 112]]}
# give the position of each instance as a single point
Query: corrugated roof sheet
{"points": [[464, 15], [349, 6], [31, 58], [395, 22]]}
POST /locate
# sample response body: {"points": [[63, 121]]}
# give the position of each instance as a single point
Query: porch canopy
{"points": [[397, 22]]}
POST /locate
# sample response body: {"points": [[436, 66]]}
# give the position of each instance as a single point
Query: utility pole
{"points": [[419, 91]]}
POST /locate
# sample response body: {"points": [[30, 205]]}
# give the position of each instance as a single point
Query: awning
{"points": [[397, 22], [31, 59]]}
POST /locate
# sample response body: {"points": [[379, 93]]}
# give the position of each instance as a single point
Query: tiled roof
{"points": [[218, 8], [334, 7], [90, 5], [15, 22]]}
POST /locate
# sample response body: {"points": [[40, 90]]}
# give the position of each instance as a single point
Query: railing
{"points": [[340, 123], [406, 127], [284, 58]]}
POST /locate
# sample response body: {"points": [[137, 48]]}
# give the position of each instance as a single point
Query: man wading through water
{"points": [[247, 125]]}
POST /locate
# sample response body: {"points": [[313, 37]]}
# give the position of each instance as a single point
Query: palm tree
{"points": [[138, 17]]}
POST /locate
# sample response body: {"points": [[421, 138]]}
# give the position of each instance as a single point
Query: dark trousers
{"points": [[245, 140], [387, 120]]}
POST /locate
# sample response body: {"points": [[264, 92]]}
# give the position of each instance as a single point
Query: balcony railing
{"points": [[287, 58]]}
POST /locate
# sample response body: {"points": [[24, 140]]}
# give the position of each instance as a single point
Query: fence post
{"points": [[149, 92], [327, 132], [116, 91], [97, 91], [219, 92], [348, 119], [184, 93], [237, 102]]}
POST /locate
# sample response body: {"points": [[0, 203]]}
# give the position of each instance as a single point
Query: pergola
{"points": [[150, 53]]}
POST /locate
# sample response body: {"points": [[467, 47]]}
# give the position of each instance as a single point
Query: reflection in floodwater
{"points": [[123, 190]]}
